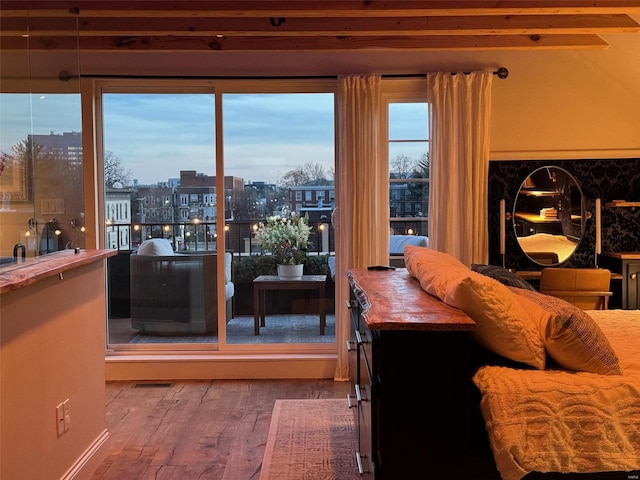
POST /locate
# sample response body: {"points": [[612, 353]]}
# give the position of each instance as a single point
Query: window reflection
{"points": [[41, 181]]}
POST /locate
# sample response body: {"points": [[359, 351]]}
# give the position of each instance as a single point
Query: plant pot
{"points": [[290, 272]]}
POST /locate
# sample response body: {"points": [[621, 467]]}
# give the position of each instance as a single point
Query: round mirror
{"points": [[548, 215]]}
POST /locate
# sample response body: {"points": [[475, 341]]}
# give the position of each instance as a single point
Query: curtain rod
{"points": [[65, 76], [501, 73]]}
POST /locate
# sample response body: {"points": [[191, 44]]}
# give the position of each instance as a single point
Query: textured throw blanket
{"points": [[560, 421]]}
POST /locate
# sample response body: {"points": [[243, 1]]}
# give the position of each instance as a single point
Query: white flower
{"points": [[286, 238]]}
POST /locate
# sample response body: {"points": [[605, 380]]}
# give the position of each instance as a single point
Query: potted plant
{"points": [[287, 238]]}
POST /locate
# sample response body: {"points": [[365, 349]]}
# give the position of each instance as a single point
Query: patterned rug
{"points": [[278, 329], [311, 440], [139, 338], [294, 328]]}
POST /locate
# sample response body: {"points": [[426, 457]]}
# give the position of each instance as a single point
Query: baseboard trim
{"points": [[89, 461], [220, 367]]}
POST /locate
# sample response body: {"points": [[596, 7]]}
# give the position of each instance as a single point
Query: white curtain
{"points": [[362, 217], [460, 111]]}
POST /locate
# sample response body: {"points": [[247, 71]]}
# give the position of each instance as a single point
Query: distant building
{"points": [[316, 200], [117, 208], [67, 145], [154, 205]]}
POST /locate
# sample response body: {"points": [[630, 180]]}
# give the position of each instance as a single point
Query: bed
{"points": [[554, 420], [542, 245], [558, 388]]}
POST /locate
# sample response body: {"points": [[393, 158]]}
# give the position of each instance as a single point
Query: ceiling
{"points": [[298, 37]]}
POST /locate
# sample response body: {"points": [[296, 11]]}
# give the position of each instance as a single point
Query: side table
{"points": [[272, 282]]}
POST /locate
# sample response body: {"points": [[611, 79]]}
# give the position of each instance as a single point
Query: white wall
{"points": [[569, 105]]}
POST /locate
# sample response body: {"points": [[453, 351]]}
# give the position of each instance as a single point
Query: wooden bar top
{"points": [[393, 300], [624, 255], [536, 274], [48, 266]]}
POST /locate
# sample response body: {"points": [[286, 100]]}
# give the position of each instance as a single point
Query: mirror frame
{"points": [[517, 216]]}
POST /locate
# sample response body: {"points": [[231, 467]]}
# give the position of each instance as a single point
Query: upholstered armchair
{"points": [[174, 294], [586, 288]]}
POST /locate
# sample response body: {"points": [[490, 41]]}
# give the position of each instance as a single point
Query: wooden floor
{"points": [[204, 430]]}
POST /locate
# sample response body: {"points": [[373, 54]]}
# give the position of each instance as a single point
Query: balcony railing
{"points": [[239, 235]]}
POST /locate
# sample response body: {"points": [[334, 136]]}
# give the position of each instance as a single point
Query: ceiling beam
{"points": [[312, 25], [347, 43], [424, 26], [314, 8]]}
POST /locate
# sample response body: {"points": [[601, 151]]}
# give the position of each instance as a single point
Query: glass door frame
{"points": [[218, 88]]}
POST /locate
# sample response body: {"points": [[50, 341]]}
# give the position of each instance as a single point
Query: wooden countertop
{"points": [[393, 300], [624, 255], [48, 266], [535, 274]]}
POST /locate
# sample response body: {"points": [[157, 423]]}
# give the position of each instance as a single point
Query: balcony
{"points": [[292, 316]]}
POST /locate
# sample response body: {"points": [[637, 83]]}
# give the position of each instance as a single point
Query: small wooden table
{"points": [[272, 282]]}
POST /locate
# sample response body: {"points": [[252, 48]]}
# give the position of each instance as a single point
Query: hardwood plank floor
{"points": [[201, 429]]}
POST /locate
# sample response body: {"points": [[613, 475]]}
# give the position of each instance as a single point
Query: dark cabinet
{"points": [[627, 265], [360, 398], [632, 270], [410, 381]]}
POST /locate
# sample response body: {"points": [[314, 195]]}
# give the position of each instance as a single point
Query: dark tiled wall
{"points": [[617, 179]]}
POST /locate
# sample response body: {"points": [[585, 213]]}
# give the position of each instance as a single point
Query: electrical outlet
{"points": [[60, 419], [67, 415]]}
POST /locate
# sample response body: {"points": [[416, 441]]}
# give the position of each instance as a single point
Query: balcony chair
{"points": [[174, 294], [586, 288], [397, 244], [396, 250]]}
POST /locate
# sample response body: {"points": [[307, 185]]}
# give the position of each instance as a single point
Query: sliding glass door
{"points": [[190, 172], [281, 146], [159, 189]]}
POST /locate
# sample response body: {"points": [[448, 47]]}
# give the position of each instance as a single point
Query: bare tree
{"points": [[114, 171], [309, 174], [297, 176], [402, 166]]}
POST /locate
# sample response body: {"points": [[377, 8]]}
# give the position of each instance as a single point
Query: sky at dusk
{"points": [[157, 135]]}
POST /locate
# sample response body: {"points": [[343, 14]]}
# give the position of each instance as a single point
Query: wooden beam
{"points": [[301, 25], [314, 8], [347, 43], [425, 26]]}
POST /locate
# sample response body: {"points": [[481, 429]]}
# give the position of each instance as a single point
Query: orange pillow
{"points": [[570, 336], [502, 324], [435, 270]]}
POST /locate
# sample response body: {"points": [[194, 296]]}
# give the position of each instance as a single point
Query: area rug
{"points": [[240, 330], [311, 440], [139, 338], [293, 328]]}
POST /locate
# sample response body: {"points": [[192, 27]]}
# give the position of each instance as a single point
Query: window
{"points": [[408, 145]]}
